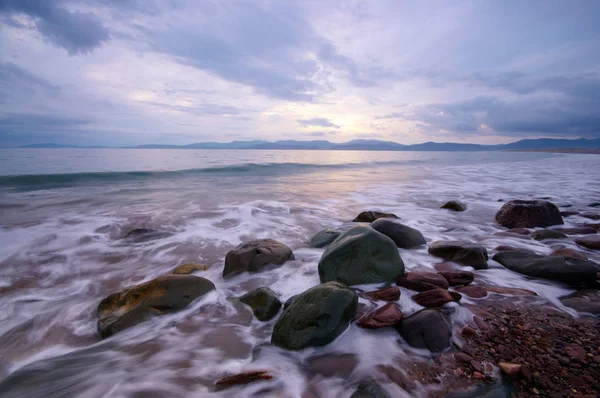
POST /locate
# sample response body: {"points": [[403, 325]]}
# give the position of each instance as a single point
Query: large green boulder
{"points": [[324, 238], [361, 255], [316, 317]]}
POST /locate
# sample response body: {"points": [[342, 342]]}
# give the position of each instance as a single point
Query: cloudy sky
{"points": [[127, 72]]}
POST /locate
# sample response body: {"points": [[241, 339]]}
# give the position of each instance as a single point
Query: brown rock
{"points": [[185, 269], [583, 301], [468, 331], [422, 281], [457, 277], [388, 315], [590, 215], [433, 298], [566, 252], [370, 216], [454, 205], [461, 252], [590, 242], [577, 230], [507, 248], [462, 357], [391, 293], [507, 290], [473, 291], [528, 214], [255, 255], [512, 370], [242, 378], [480, 323], [575, 351], [544, 234]]}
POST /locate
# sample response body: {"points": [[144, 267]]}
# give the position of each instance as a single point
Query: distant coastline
{"points": [[560, 150]]}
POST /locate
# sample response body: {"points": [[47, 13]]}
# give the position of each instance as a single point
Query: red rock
{"points": [[477, 366], [242, 378], [433, 298], [512, 370], [422, 281], [478, 375], [480, 323], [447, 266], [590, 242], [576, 230], [457, 277], [388, 315], [468, 331], [507, 290], [456, 296], [574, 351], [391, 293], [473, 291], [507, 248], [462, 357], [566, 252]]}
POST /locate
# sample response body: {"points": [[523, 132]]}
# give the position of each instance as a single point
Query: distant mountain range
{"points": [[370, 145]]}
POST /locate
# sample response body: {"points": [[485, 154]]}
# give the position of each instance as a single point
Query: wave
{"points": [[67, 179]]}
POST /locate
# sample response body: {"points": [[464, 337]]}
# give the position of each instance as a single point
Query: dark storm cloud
{"points": [[318, 121], [77, 32]]}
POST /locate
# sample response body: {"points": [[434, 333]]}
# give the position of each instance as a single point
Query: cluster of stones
{"points": [[368, 254]]}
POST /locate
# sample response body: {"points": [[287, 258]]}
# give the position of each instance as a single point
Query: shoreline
{"points": [[581, 151]]}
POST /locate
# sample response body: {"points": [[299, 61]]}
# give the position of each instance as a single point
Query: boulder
{"points": [[370, 216], [186, 269], [369, 389], [562, 269], [457, 277], [324, 238], [388, 315], [429, 328], [433, 298], [138, 235], [255, 255], [461, 252], [547, 234], [316, 317], [422, 281], [390, 293], [566, 252], [361, 255], [403, 236], [591, 242], [528, 214], [139, 303], [264, 302], [583, 301], [454, 205], [577, 230]]}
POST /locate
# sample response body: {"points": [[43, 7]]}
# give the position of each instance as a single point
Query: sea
{"points": [[64, 214]]}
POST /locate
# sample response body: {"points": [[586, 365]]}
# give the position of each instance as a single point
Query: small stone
{"points": [[468, 331], [547, 234], [370, 216], [512, 370], [462, 357], [457, 277], [391, 293], [388, 315], [478, 375], [575, 351], [476, 365], [591, 242], [422, 281], [454, 205], [433, 298]]}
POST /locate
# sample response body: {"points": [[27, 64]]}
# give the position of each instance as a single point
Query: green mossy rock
{"points": [[264, 303], [324, 238]]}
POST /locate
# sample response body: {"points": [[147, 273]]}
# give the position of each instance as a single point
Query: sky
{"points": [[130, 72]]}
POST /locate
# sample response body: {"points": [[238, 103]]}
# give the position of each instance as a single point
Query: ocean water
{"points": [[64, 213]]}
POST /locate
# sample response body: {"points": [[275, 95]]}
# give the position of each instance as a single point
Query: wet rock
{"points": [[583, 301], [456, 296], [596, 226], [255, 255], [422, 281], [507, 248], [390, 293], [264, 302], [591, 242], [433, 298], [369, 389], [519, 231], [566, 252], [316, 317], [575, 351], [324, 238], [590, 215], [528, 214], [388, 315], [332, 364], [563, 269], [473, 291], [462, 357], [139, 303], [487, 391], [514, 291], [290, 301], [569, 213], [370, 216], [403, 236], [429, 328], [577, 230], [457, 277], [186, 269], [547, 234], [361, 255], [454, 205], [594, 204], [242, 379], [460, 252], [145, 234]]}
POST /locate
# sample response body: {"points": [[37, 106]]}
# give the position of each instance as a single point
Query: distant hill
{"points": [[371, 145]]}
